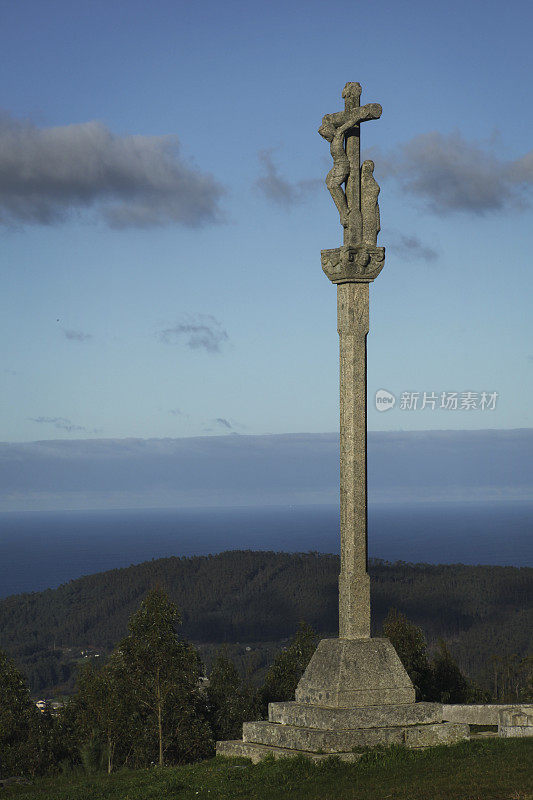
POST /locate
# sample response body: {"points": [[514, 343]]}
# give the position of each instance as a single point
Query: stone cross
{"points": [[355, 692], [352, 267]]}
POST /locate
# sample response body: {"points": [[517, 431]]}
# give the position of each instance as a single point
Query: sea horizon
{"points": [[43, 549]]}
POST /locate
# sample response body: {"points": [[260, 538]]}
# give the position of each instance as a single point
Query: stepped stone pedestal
{"points": [[354, 694]]}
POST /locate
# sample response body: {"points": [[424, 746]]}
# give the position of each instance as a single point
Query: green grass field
{"points": [[498, 769]]}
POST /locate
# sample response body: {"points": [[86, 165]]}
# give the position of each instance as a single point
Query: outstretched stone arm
{"points": [[343, 120]]}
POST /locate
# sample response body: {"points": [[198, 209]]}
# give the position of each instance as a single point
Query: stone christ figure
{"points": [[338, 174], [369, 204], [341, 129]]}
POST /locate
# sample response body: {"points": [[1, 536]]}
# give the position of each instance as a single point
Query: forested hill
{"points": [[245, 596]]}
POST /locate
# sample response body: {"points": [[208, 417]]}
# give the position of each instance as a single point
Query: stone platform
{"points": [[296, 728], [257, 752], [516, 721], [353, 695], [484, 714]]}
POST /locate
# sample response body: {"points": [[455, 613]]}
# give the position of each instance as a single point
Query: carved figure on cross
{"points": [[341, 129]]}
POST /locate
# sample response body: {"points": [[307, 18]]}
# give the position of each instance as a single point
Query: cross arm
{"points": [[361, 114]]}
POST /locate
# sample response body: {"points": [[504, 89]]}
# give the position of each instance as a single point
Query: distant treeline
{"points": [[257, 599]]}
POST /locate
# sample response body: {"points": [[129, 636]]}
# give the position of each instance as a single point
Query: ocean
{"points": [[40, 550]]}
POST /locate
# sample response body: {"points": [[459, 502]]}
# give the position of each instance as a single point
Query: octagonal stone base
{"points": [[352, 673]]}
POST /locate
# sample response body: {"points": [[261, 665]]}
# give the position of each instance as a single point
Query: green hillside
{"points": [[254, 601], [493, 770]]}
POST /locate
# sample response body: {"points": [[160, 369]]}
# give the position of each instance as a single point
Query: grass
{"points": [[500, 769]]}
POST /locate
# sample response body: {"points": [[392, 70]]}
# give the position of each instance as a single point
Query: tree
{"points": [[449, 683], [19, 750], [513, 678], [101, 711], [526, 668], [440, 680], [409, 642], [283, 676], [159, 677], [230, 701]]}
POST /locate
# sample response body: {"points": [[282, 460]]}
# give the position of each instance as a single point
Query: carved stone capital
{"points": [[353, 264]]}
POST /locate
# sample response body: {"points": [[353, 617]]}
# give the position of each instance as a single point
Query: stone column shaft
{"points": [[354, 581]]}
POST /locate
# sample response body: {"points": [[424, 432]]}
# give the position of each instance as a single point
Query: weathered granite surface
{"points": [[369, 204], [341, 130], [256, 752], [516, 721], [352, 267], [337, 741], [353, 673], [292, 713], [354, 581], [486, 714]]}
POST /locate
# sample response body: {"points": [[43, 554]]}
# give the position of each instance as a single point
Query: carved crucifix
{"points": [[358, 210], [352, 267]]}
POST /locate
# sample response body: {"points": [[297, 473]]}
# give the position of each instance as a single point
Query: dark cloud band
{"points": [[411, 248], [450, 174], [198, 332], [278, 189], [76, 336], [259, 470], [131, 181]]}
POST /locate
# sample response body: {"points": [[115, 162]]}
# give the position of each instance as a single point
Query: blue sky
{"points": [[163, 210]]}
